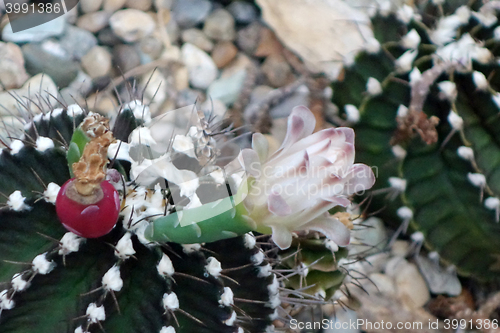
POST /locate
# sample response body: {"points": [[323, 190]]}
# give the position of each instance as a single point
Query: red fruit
{"points": [[88, 216]]}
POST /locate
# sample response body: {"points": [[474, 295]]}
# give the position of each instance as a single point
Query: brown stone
{"points": [[224, 53]]}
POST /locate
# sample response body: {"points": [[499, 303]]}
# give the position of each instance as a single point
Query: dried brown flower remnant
{"points": [[90, 170], [416, 122]]}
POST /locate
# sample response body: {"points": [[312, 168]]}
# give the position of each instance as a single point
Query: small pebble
{"points": [[243, 12], [202, 70], [90, 6], [223, 53], [52, 28], [97, 62], [113, 5], [219, 25], [277, 70], [143, 5], [188, 13], [197, 38], [77, 42], [12, 72], [131, 24], [93, 22], [248, 38], [126, 57]]}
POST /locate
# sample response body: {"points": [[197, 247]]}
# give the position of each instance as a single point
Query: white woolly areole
{"points": [[5, 302], [141, 136], [50, 194], [273, 288], [257, 258], [213, 267], [249, 241], [140, 111], [404, 63], [96, 313], [456, 122], [120, 150], [405, 14], [184, 144], [274, 301], [169, 329], [16, 202], [352, 113], [165, 266], [41, 265], [264, 271], [70, 242], [402, 111], [415, 76], [230, 321], [372, 46], [331, 245], [405, 213], [270, 329], [496, 99], [273, 316], [226, 298], [79, 329], [124, 248], [74, 110], [398, 183], [480, 80], [477, 179], [411, 40], [465, 153], [373, 87], [492, 203], [190, 248], [417, 237], [43, 143], [399, 151], [112, 279], [449, 89], [170, 301], [18, 283]]}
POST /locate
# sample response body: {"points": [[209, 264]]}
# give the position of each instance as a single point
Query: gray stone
{"points": [[188, 13], [51, 28], [82, 84], [197, 38], [126, 57], [243, 12], [202, 70], [248, 38], [77, 42], [107, 37], [277, 70], [38, 59], [12, 72], [219, 25], [131, 24], [150, 47]]}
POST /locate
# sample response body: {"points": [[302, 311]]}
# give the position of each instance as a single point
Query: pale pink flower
{"points": [[293, 189]]}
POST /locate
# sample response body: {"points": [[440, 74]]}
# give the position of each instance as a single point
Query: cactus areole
{"points": [[87, 205]]}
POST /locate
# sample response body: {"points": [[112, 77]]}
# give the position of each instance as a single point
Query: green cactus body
{"points": [[447, 176]]}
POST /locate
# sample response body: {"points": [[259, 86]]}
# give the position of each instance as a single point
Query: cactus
{"points": [[135, 278], [423, 99]]}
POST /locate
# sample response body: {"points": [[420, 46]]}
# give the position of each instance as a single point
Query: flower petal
{"points": [[331, 228], [301, 123], [260, 145], [277, 205], [360, 178], [282, 236], [249, 160]]}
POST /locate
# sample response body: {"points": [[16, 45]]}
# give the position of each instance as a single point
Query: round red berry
{"points": [[88, 216]]}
